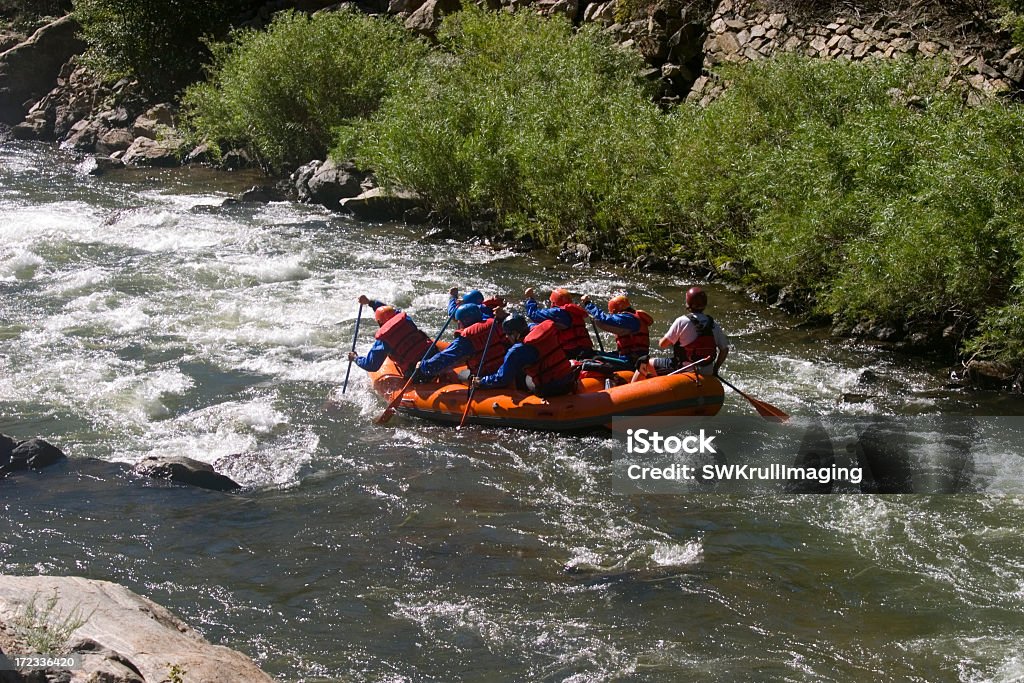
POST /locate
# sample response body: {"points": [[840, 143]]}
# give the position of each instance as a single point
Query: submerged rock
{"points": [[31, 454], [122, 636], [186, 471]]}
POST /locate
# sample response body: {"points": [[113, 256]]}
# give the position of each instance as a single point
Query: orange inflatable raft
{"points": [[591, 407]]}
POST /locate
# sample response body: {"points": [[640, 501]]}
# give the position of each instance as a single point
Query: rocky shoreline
{"points": [[110, 634]]}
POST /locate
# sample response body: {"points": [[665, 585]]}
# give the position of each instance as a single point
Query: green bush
{"points": [[283, 91], [160, 43], [869, 185], [517, 114]]}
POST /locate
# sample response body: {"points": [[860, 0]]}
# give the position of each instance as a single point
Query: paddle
{"points": [[479, 369], [690, 366], [597, 334], [390, 410], [355, 336], [766, 410]]}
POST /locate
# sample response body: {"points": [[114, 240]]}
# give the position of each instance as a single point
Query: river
{"points": [[138, 318]]}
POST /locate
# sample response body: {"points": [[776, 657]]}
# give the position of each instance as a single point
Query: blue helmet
{"points": [[469, 314], [473, 296]]}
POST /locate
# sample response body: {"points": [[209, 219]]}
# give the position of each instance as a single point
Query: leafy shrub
{"points": [[282, 91], [519, 115], [158, 42], [867, 184]]}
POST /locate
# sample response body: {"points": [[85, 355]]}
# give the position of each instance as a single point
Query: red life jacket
{"points": [[477, 335], [406, 342], [577, 336], [701, 347], [636, 343], [553, 364]]}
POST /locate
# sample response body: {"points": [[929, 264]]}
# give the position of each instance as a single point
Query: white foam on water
{"points": [[19, 264], [678, 554]]}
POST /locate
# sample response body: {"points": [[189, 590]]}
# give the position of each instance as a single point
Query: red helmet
{"points": [[560, 297], [384, 314], [696, 299], [619, 304]]}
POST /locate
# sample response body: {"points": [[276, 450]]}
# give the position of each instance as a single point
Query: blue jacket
{"points": [[538, 315], [513, 368], [625, 322], [456, 351]]}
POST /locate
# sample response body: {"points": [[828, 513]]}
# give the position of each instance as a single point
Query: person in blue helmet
{"points": [[473, 296], [536, 352], [471, 340]]}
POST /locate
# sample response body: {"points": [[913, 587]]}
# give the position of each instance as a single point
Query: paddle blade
{"points": [[386, 416], [768, 411]]}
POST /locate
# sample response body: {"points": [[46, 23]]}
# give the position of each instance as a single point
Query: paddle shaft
{"points": [[390, 410], [479, 369], [600, 342], [691, 365], [355, 336]]}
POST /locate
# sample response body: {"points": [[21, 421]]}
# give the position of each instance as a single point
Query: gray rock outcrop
{"points": [[30, 69], [122, 636]]}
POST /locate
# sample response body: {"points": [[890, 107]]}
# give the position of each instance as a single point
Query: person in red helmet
{"points": [[694, 336], [398, 339], [570, 320], [630, 327]]}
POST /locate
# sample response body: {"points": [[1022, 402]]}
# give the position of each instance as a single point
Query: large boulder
{"points": [[186, 471], [121, 635], [34, 454], [29, 70], [155, 121], [427, 18], [331, 182], [147, 152], [379, 205]]}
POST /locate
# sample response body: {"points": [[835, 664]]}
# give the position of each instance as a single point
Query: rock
{"points": [[113, 140], [146, 152], [98, 165], [987, 374], [186, 471], [202, 154], [83, 136], [36, 126], [234, 159], [331, 182], [378, 205], [154, 122], [427, 18], [29, 70], [118, 627], [262, 194], [7, 445], [37, 454]]}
